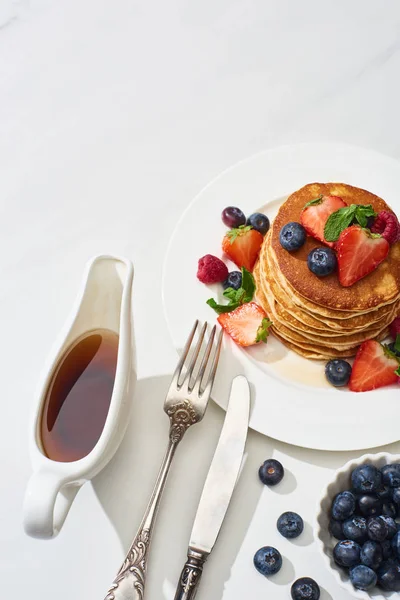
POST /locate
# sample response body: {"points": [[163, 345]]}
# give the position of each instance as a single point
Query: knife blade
{"points": [[218, 488]]}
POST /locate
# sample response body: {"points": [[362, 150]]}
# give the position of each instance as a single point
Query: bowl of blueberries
{"points": [[358, 526]]}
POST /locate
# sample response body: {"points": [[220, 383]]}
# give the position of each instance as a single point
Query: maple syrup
{"points": [[79, 395]]}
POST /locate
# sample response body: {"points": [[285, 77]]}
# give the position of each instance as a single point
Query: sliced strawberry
{"points": [[374, 366], [358, 253], [242, 245], [247, 325], [315, 215]]}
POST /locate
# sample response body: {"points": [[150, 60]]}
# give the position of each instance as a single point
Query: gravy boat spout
{"points": [[104, 303]]}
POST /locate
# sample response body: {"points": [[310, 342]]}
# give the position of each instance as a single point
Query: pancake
{"points": [[380, 287]]}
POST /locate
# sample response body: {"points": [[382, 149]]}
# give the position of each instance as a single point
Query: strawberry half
{"points": [[242, 245], [374, 366], [315, 214], [358, 253], [247, 325]]}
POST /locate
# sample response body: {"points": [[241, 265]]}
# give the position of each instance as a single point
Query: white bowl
{"points": [[326, 541]]}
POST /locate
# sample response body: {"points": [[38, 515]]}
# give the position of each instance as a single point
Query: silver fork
{"points": [[185, 404]]}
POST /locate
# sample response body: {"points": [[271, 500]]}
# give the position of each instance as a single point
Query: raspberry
{"points": [[211, 269], [387, 224], [394, 327]]}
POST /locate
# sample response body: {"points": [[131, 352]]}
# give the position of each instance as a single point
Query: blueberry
{"points": [[356, 529], [347, 553], [369, 505], [396, 495], [305, 588], [389, 509], [384, 493], [234, 280], [267, 560], [322, 261], [338, 372], [259, 222], [391, 475], [396, 545], [292, 236], [271, 472], [362, 577], [366, 478], [389, 575], [386, 549], [290, 525], [377, 529], [371, 554], [391, 526], [233, 217], [336, 529], [343, 506]]}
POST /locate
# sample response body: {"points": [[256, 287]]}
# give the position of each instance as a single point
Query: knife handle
{"points": [[191, 575]]}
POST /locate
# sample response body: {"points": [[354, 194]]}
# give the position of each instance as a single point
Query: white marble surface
{"points": [[112, 116]]}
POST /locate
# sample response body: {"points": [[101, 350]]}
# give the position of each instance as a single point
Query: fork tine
{"points": [[184, 354], [210, 382], [204, 361], [195, 355]]}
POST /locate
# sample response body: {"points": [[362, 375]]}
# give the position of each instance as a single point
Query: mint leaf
{"points": [[248, 284], [338, 221], [222, 308], [314, 202], [397, 371], [236, 297], [232, 234], [397, 343], [263, 331], [363, 212]]}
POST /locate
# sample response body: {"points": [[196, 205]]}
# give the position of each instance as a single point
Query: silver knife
{"points": [[218, 488]]}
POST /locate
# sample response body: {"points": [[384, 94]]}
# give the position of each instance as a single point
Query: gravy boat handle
{"points": [[47, 503]]}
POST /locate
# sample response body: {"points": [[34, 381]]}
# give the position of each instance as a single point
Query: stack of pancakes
{"points": [[317, 317]]}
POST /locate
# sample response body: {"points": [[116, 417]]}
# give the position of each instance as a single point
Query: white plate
{"points": [[292, 401]]}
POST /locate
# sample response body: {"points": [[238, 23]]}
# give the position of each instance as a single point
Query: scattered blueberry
{"points": [[389, 575], [386, 549], [233, 217], [343, 506], [369, 505], [322, 261], [356, 529], [337, 372], [336, 529], [371, 554], [271, 472], [396, 495], [347, 553], [259, 222], [391, 526], [267, 560], [292, 236], [290, 525], [377, 529], [234, 280], [389, 509], [366, 478], [362, 577], [396, 545], [391, 475], [305, 588]]}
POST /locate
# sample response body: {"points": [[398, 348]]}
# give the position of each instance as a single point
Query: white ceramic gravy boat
{"points": [[103, 303]]}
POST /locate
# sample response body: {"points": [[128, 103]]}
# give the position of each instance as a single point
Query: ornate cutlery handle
{"points": [[130, 580], [190, 576]]}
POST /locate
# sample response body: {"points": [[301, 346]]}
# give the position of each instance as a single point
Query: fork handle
{"points": [[190, 577], [130, 580]]}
